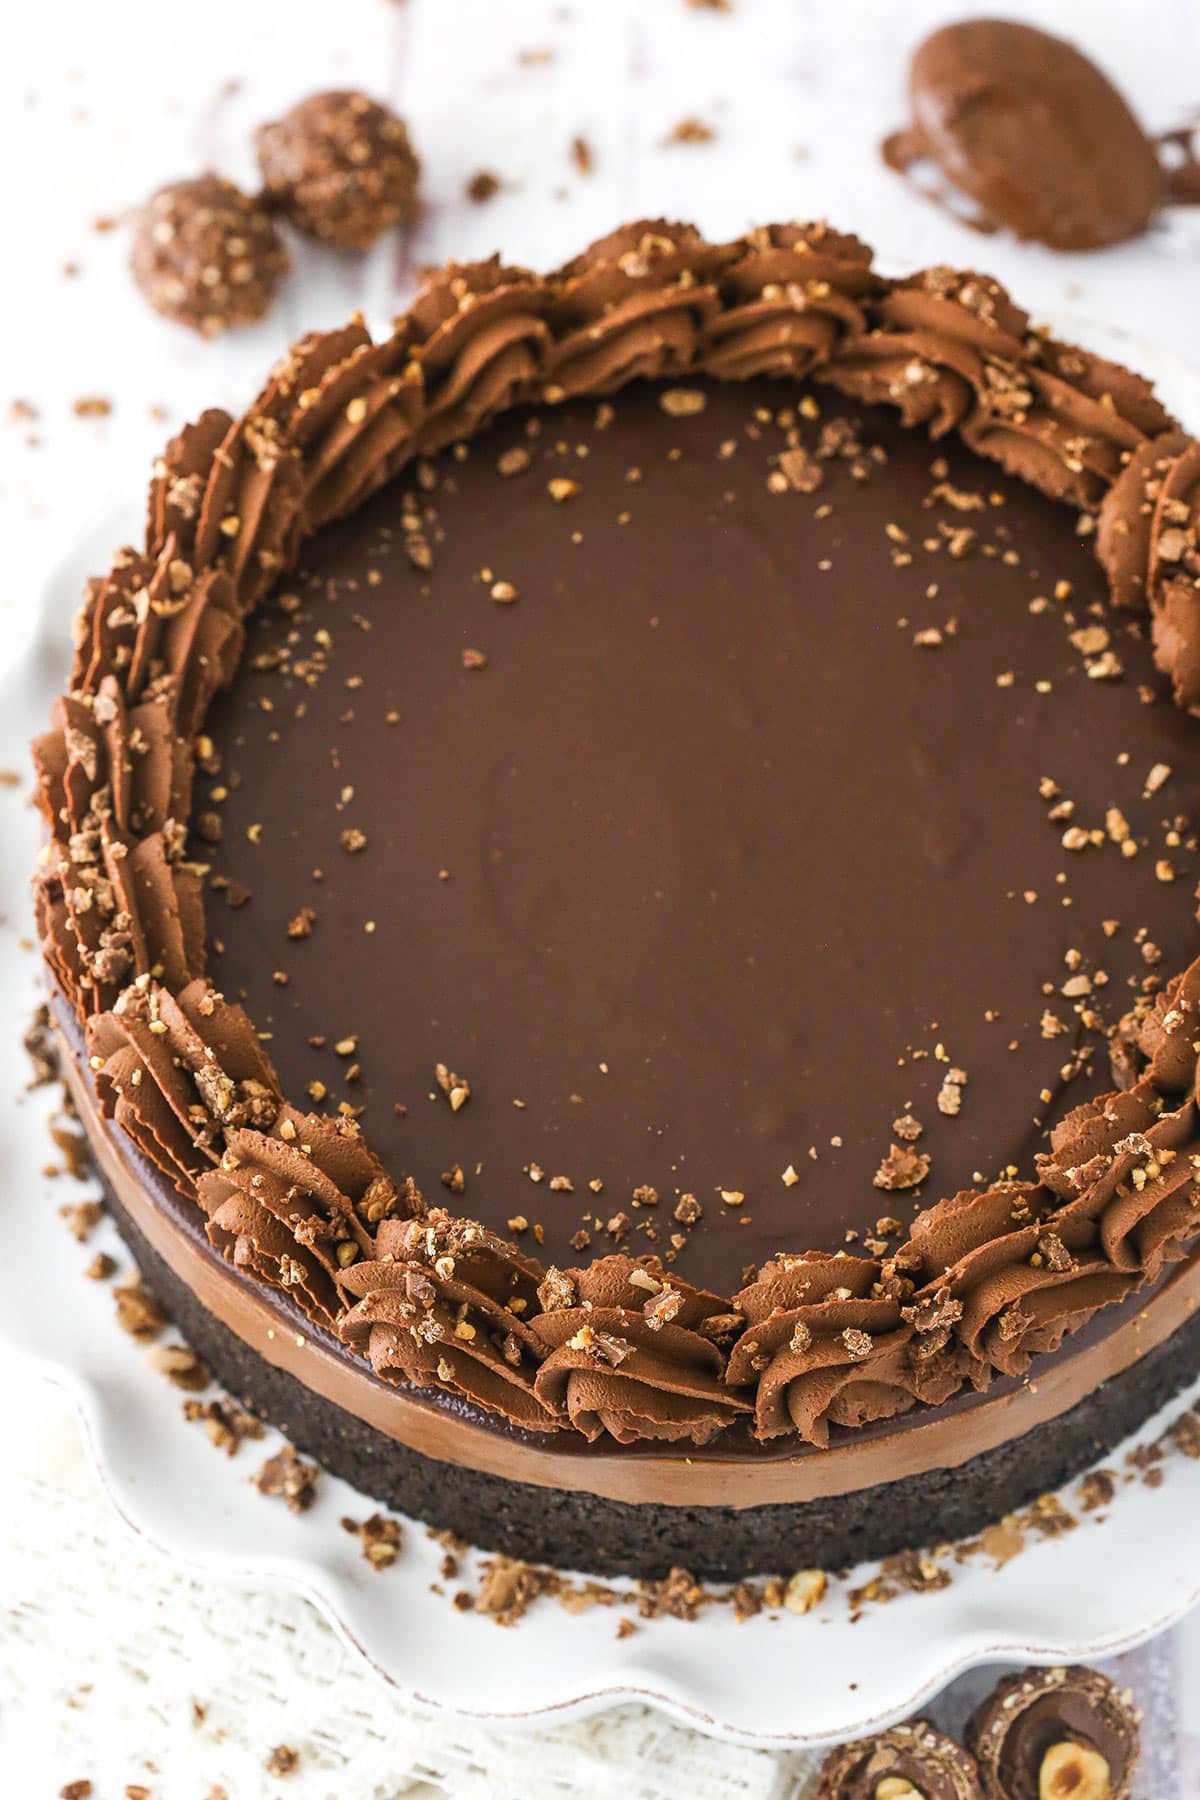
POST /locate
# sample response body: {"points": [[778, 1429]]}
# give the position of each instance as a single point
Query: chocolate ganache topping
{"points": [[829, 1333], [634, 1352]]}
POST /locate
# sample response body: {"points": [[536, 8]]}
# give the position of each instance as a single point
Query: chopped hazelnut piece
{"points": [[379, 1536], [682, 403], [482, 186], [138, 1312], [456, 1088], [689, 131], [181, 1366], [288, 1476], [805, 1590], [901, 1168]]}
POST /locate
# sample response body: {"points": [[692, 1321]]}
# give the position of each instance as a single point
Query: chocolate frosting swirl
{"points": [[177, 1071], [350, 407], [1064, 420], [115, 897], [932, 1764], [1148, 540], [787, 303], [941, 339], [634, 304], [229, 492], [1156, 495], [1132, 1165], [1176, 631], [827, 1343], [951, 350], [483, 343], [155, 628], [622, 1349], [1014, 1276], [106, 763], [443, 1303], [1040, 1713], [632, 1351], [123, 913], [296, 1205]]}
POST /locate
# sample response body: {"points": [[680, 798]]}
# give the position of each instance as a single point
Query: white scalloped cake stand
{"points": [[776, 1680]]}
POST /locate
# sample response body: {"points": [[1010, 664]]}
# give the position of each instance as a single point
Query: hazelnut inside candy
{"points": [[1073, 1772], [896, 1787], [1065, 1733]]}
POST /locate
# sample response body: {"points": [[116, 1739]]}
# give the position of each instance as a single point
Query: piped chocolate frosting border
{"points": [[621, 1349]]}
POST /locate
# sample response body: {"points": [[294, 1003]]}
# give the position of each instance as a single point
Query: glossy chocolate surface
{"points": [[721, 858]]}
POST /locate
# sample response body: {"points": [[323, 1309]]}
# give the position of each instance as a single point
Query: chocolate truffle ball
{"points": [[909, 1762], [206, 255], [1025, 126], [340, 167], [1056, 1734]]}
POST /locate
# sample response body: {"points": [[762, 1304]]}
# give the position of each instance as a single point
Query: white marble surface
{"points": [[97, 105]]}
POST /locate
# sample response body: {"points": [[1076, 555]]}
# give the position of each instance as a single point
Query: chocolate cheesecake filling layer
{"points": [[760, 811]]}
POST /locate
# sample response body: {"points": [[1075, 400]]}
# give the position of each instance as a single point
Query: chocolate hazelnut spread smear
{"points": [[1045, 1733], [1031, 132], [808, 799]]}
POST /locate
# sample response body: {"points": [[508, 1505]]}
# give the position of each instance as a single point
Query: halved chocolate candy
{"points": [[909, 1762], [1056, 1734]]}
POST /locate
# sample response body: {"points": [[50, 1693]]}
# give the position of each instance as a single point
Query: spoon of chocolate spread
{"points": [[1035, 137]]}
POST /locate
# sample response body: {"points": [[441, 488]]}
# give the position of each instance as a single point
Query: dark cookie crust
{"points": [[610, 1537]]}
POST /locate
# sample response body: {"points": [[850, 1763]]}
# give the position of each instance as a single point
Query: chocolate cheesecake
{"points": [[620, 901]]}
